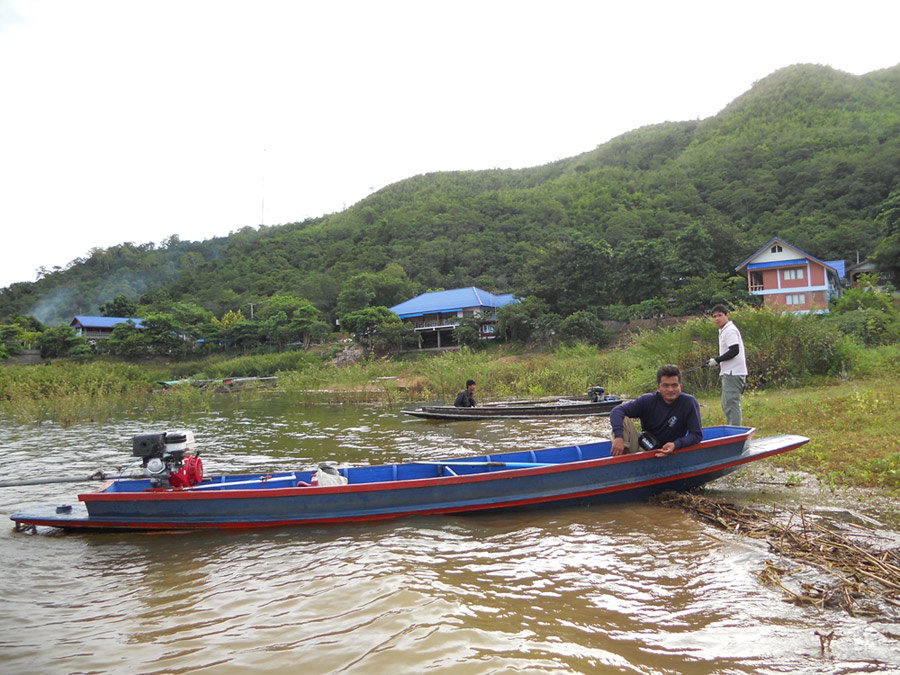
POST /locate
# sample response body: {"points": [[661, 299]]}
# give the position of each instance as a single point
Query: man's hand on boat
{"points": [[618, 448], [665, 450]]}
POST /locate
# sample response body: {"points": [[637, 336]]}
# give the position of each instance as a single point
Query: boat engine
{"points": [[165, 460], [596, 394]]}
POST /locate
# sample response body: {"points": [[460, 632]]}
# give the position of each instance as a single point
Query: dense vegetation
{"points": [[655, 220]]}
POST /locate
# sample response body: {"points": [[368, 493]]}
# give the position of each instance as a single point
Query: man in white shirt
{"points": [[732, 362]]}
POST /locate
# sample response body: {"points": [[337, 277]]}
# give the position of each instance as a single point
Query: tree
{"points": [[394, 333], [692, 254], [286, 319], [888, 217], [308, 325], [189, 314], [569, 275], [639, 271], [866, 295], [887, 254], [163, 335], [276, 328], [120, 306], [354, 296], [244, 335], [229, 320], [127, 340], [62, 341], [386, 288], [11, 338], [517, 321], [585, 326], [468, 332], [28, 323], [363, 324], [697, 296]]}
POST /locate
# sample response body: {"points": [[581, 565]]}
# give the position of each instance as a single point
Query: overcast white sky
{"points": [[132, 120]]}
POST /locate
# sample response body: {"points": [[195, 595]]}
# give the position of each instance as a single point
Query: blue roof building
{"points": [[100, 327], [436, 314]]}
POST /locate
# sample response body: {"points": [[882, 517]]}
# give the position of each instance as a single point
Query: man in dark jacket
{"points": [[466, 398], [671, 417]]}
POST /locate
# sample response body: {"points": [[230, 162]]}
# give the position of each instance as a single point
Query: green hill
{"points": [[809, 154]]}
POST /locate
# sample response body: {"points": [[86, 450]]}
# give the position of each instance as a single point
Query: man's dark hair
{"points": [[469, 383], [667, 370], [719, 308]]}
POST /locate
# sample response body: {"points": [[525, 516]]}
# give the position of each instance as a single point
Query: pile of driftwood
{"points": [[861, 569]]}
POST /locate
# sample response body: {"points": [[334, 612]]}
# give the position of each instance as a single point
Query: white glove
{"points": [[713, 363]]}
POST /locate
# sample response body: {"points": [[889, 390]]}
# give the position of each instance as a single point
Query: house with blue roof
{"points": [[100, 327], [791, 279], [435, 315]]}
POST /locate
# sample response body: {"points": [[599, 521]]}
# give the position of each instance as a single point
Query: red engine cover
{"points": [[190, 473]]}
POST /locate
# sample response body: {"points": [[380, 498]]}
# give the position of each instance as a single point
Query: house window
{"points": [[796, 273], [776, 248], [796, 299]]}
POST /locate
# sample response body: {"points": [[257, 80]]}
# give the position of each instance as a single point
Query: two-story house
{"points": [[436, 314], [791, 279]]}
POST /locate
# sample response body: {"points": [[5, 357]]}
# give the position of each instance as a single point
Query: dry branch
{"points": [[863, 572]]}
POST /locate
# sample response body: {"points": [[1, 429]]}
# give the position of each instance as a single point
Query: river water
{"points": [[634, 588]]}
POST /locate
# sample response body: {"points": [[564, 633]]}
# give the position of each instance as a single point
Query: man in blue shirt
{"points": [[670, 416]]}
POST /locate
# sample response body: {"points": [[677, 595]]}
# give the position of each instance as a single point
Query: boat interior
{"points": [[414, 470]]}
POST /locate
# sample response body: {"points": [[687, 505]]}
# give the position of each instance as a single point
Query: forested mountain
{"points": [[809, 154]]}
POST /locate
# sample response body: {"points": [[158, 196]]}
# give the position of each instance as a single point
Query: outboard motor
{"points": [[165, 461], [596, 394]]}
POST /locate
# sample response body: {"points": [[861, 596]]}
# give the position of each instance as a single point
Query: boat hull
{"points": [[555, 476], [571, 409]]}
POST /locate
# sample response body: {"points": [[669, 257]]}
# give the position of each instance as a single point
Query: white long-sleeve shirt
{"points": [[730, 335]]}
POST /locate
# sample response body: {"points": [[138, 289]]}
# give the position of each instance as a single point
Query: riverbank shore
{"points": [[852, 419]]}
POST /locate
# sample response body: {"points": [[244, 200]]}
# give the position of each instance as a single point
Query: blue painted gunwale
{"points": [[568, 475]]}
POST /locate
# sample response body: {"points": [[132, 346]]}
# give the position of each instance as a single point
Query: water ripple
{"points": [[626, 589]]}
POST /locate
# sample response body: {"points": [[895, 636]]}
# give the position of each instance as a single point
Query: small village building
{"points": [[100, 327], [790, 279], [854, 272], [435, 315]]}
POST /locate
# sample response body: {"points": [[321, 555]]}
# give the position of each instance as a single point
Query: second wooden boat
{"points": [[561, 408]]}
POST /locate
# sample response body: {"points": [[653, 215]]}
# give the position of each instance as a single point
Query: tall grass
{"points": [[66, 392], [854, 429], [255, 365], [69, 391], [500, 372]]}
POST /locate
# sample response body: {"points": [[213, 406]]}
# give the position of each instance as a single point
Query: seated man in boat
{"points": [[670, 419], [466, 398]]}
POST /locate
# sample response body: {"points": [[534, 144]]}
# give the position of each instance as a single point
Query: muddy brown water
{"points": [[633, 588]]}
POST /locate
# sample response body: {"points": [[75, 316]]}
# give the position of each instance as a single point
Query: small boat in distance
{"points": [[595, 403], [176, 495]]}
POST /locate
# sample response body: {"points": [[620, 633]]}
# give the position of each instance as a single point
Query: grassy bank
{"points": [[853, 429], [852, 418]]}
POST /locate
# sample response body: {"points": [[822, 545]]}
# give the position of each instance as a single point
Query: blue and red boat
{"points": [[176, 495]]}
